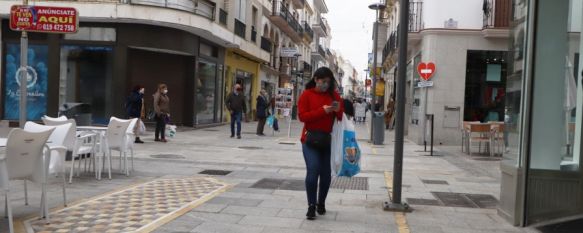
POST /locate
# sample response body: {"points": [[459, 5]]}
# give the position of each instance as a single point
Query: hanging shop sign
{"points": [[288, 51], [44, 19]]}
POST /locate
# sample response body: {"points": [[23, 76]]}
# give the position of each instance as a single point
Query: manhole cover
{"points": [[487, 158], [483, 201], [282, 184], [421, 201], [167, 156], [435, 182], [215, 172], [211, 130], [353, 183], [250, 148], [454, 200]]}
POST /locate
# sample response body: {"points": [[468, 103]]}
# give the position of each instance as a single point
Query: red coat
{"points": [[312, 114]]}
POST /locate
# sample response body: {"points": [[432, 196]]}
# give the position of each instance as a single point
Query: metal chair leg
{"points": [[8, 210], [25, 193]]}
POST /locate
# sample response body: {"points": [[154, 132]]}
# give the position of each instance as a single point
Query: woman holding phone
{"points": [[318, 107]]}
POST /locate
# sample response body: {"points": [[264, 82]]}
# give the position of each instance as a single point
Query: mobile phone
{"points": [[335, 104]]}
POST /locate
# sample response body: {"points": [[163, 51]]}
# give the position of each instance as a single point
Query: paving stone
{"points": [[219, 218], [234, 201], [271, 221], [217, 227], [253, 211], [211, 208]]}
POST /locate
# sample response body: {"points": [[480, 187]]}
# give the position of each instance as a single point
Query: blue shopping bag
{"points": [[270, 120], [350, 155]]}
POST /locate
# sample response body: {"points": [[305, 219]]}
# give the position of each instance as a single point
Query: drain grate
{"points": [[211, 130], [466, 200], [353, 183], [287, 143], [215, 172], [487, 158], [435, 182], [167, 156], [422, 201], [250, 147]]}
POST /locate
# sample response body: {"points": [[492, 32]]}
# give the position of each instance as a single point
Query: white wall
{"points": [[468, 13], [575, 15]]}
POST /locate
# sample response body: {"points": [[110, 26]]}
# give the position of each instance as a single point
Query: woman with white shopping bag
{"points": [[318, 107]]}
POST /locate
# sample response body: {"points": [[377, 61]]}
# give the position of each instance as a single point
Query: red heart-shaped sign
{"points": [[426, 70]]}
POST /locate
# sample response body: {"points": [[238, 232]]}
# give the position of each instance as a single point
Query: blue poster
{"points": [[37, 82]]}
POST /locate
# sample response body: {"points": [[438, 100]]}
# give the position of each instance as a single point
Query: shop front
{"points": [[244, 71], [542, 179], [99, 65]]}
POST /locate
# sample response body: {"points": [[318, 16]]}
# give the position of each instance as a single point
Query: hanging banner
{"points": [[44, 19], [37, 71], [380, 88], [288, 52]]}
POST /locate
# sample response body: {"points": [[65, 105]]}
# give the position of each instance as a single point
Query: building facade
{"points": [[468, 45]]}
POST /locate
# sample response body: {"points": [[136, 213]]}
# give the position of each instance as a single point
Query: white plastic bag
{"points": [[345, 153], [170, 131], [337, 144], [142, 128]]}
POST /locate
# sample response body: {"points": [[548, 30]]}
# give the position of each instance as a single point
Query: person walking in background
{"points": [[318, 106], [348, 108], [360, 111], [235, 103], [389, 114], [262, 111], [162, 109], [135, 109]]}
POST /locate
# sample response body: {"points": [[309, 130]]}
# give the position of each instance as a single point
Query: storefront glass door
{"points": [[554, 175], [206, 84]]}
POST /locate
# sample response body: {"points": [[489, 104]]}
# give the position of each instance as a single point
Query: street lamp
{"points": [[365, 84], [378, 7]]}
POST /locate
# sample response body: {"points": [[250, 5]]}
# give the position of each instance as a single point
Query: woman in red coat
{"points": [[318, 106]]}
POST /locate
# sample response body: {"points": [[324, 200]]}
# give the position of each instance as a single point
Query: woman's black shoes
{"points": [[311, 215], [321, 208]]}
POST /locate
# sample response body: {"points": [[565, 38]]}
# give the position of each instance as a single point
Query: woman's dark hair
{"points": [[137, 88], [322, 73]]}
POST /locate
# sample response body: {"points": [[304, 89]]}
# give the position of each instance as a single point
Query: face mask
{"points": [[323, 86], [142, 91], [165, 91]]}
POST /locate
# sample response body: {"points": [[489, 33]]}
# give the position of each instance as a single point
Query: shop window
{"points": [[86, 77], [37, 84], [93, 34], [206, 88], [485, 86]]}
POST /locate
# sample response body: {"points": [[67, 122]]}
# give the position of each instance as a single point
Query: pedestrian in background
{"points": [[135, 109], [360, 111], [162, 109], [318, 106], [348, 108], [235, 103], [389, 114], [262, 111]]}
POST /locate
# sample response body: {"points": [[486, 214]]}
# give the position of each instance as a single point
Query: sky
{"points": [[351, 23]]}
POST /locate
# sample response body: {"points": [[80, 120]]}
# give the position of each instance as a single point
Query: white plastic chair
{"points": [[61, 118], [130, 139], [24, 161], [57, 151], [4, 128], [115, 139], [77, 144]]}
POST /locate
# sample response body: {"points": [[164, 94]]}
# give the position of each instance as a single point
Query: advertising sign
{"points": [[44, 19], [37, 71], [288, 51]]}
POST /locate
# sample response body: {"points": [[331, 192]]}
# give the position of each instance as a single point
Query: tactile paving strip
{"points": [[137, 209]]}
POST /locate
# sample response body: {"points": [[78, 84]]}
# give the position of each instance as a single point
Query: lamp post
{"points": [[378, 7], [365, 84], [403, 34]]}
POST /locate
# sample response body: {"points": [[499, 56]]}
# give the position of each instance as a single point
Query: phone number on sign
{"points": [[57, 27]]}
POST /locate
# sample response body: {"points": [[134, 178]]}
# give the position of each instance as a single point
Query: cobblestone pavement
{"points": [[449, 193]]}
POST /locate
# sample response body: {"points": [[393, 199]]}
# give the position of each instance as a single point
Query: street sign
{"points": [[288, 52], [44, 19], [425, 84], [426, 70]]}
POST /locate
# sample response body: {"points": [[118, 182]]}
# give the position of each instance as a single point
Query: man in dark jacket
{"points": [[135, 108], [236, 105], [262, 111]]}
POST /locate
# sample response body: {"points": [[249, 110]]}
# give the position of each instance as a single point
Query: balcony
{"points": [[415, 17], [203, 8], [390, 46], [497, 13], [283, 19], [240, 28], [223, 17], [318, 53], [308, 32], [320, 28], [266, 44], [253, 34], [299, 4]]}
